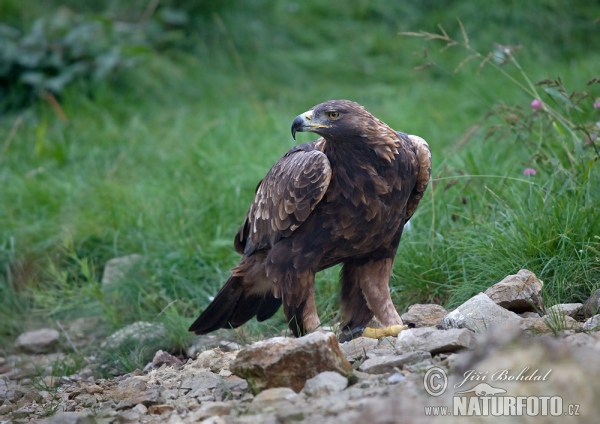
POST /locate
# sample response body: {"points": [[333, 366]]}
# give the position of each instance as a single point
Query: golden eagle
{"points": [[343, 198]]}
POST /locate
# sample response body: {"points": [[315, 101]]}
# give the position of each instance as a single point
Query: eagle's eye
{"points": [[332, 114]]}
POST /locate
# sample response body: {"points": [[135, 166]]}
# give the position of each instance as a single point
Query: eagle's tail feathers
{"points": [[232, 307], [218, 313]]}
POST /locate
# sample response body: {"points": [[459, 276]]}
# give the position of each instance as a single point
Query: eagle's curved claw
{"points": [[349, 334], [377, 333]]}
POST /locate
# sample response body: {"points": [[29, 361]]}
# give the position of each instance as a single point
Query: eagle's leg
{"points": [[355, 312], [293, 279], [374, 278], [300, 308]]}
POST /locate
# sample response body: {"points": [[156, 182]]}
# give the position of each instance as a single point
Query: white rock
{"points": [[38, 341], [324, 384], [424, 315], [383, 364], [358, 348], [435, 341], [519, 293], [592, 324], [278, 397], [568, 309], [479, 314]]}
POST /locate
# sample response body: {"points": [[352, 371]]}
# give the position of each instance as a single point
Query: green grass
{"points": [[164, 161]]}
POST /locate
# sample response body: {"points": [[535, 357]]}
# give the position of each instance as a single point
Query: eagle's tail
{"points": [[233, 306]]}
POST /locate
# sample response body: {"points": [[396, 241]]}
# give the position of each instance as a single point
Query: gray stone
{"points": [[479, 314], [396, 378], [139, 339], [358, 348], [383, 364], [591, 306], [592, 324], [435, 341], [215, 360], [116, 269], [210, 409], [276, 398], [568, 309], [38, 341], [424, 315], [286, 362], [201, 383], [162, 358], [70, 418], [324, 384], [129, 416], [519, 293], [535, 325]]}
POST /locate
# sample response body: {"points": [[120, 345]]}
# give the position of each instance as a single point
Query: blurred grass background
{"points": [[161, 155]]}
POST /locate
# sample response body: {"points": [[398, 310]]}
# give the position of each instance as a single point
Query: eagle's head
{"points": [[336, 119]]}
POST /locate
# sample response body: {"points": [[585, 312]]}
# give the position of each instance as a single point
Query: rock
{"points": [[94, 388], [591, 306], [214, 360], [548, 323], [435, 341], [116, 269], [358, 348], [534, 325], [518, 293], [39, 341], [7, 408], [592, 324], [424, 315], [280, 397], [146, 333], [396, 378], [210, 409], [137, 340], [568, 309], [285, 362], [30, 397], [201, 383], [160, 409], [140, 408], [324, 384], [227, 346], [129, 416], [70, 418], [479, 314], [133, 391], [383, 364], [162, 358]]}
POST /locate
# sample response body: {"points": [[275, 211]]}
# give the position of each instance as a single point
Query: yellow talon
{"points": [[377, 333]]}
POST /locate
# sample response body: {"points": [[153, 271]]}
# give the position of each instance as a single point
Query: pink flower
{"points": [[529, 171], [537, 104], [588, 140], [597, 104]]}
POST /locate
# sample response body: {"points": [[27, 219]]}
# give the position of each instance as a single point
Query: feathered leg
{"points": [[355, 311], [372, 278], [293, 278]]}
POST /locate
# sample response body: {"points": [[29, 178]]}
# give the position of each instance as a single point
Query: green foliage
{"points": [[66, 47]]}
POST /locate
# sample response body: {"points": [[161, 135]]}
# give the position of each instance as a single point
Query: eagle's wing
{"points": [[284, 198], [424, 173]]}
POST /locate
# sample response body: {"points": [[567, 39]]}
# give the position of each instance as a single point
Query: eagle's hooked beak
{"points": [[304, 122]]}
